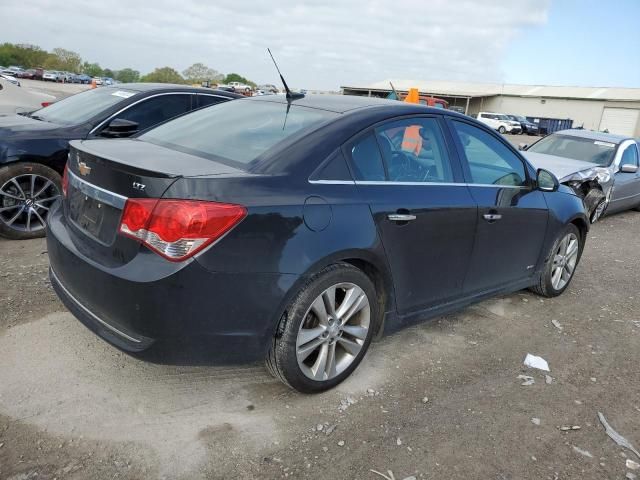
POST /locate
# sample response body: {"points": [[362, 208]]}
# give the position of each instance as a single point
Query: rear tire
{"points": [[561, 263], [502, 130], [326, 330], [27, 191]]}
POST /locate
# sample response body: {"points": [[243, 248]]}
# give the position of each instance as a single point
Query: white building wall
{"points": [[583, 112]]}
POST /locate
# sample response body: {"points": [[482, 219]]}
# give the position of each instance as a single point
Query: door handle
{"points": [[401, 217], [492, 217]]}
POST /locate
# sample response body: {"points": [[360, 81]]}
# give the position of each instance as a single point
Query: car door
{"points": [[409, 174], [512, 215], [626, 185]]}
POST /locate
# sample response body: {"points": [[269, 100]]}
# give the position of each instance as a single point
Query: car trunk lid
{"points": [[103, 174]]}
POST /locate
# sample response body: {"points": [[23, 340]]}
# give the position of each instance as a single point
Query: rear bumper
{"points": [[149, 298]]}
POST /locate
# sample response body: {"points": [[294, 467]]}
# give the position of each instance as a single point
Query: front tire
{"points": [[27, 191], [326, 330], [502, 130], [561, 263]]}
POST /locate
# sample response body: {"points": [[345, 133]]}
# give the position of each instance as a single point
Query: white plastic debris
{"points": [[540, 363], [630, 476], [527, 380], [582, 452], [631, 465], [548, 379], [615, 436], [535, 421], [557, 324], [398, 441]]}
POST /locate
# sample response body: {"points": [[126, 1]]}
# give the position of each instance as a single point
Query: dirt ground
{"points": [[441, 400]]}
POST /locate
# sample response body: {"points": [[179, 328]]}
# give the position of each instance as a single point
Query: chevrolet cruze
{"points": [[299, 230]]}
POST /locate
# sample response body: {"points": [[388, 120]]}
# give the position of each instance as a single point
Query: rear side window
{"points": [[490, 161], [157, 109], [366, 159], [206, 100]]}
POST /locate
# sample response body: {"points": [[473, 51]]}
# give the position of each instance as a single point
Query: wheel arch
{"points": [[368, 262]]}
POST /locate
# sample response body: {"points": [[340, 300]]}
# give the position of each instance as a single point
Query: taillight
{"points": [[178, 229], [65, 180], [46, 104]]}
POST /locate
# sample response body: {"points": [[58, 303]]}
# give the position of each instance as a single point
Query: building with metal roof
{"points": [[596, 108]]}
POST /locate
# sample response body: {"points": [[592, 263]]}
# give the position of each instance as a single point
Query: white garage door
{"points": [[621, 121]]}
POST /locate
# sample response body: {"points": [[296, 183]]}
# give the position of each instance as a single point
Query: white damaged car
{"points": [[602, 168]]}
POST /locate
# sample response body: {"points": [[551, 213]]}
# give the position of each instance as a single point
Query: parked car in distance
{"points": [[10, 79], [268, 88], [240, 87], [107, 81], [28, 74], [97, 80], [51, 76], [34, 146], [300, 229], [83, 78], [499, 122], [530, 128], [602, 168]]}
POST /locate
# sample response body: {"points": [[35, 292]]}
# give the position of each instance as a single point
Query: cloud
{"points": [[318, 44]]}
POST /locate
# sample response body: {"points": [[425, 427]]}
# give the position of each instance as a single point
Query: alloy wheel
{"points": [[25, 201], [333, 331], [564, 261]]}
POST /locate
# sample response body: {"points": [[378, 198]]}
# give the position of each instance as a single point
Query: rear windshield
{"points": [[585, 149], [81, 107], [237, 132]]}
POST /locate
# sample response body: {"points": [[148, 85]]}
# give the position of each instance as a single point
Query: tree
{"points": [[23, 55], [235, 77], [66, 60], [163, 75], [127, 75], [199, 72], [107, 72], [92, 69]]}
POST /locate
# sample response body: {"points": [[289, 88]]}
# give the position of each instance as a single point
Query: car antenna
{"points": [[290, 95], [393, 89]]}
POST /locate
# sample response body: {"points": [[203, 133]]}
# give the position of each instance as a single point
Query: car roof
{"points": [[344, 103], [592, 135], [162, 87]]}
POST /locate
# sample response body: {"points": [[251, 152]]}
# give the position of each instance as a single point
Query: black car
{"points": [[528, 127], [34, 146], [297, 231]]}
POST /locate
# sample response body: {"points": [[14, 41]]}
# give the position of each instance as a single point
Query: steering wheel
{"points": [[405, 166]]}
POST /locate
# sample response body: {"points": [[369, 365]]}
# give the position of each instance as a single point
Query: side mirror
{"points": [[119, 128], [628, 168], [547, 181], [523, 146]]}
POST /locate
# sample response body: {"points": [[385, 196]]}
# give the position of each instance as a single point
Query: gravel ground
{"points": [[438, 400]]}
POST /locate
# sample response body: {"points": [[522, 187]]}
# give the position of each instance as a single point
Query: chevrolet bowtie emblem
{"points": [[83, 168]]}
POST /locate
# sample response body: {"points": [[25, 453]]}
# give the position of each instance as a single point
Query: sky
{"points": [[329, 43]]}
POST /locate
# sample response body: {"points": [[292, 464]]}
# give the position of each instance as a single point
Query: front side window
{"points": [[414, 151], [156, 110], [630, 156], [490, 161]]}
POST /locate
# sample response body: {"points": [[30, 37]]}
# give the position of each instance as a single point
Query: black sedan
{"points": [[34, 146], [527, 126], [297, 231]]}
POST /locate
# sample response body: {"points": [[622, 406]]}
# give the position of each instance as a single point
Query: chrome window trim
{"points": [[423, 184], [93, 130], [99, 193], [90, 313], [440, 184]]}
